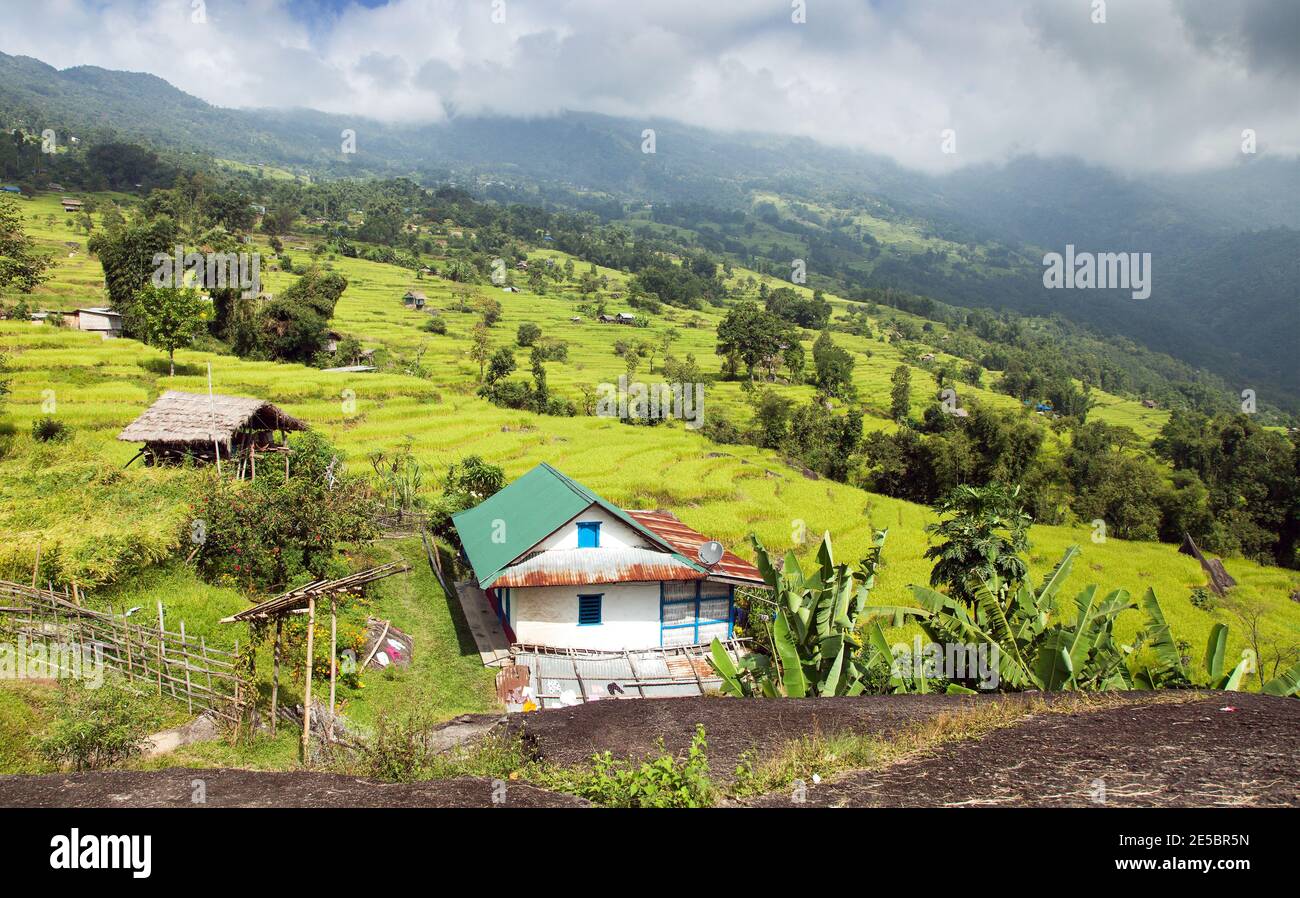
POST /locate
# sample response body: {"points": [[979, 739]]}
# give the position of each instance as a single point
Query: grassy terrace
{"points": [[105, 525], [104, 522]]}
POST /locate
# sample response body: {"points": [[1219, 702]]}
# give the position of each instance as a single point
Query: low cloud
{"points": [[1161, 85]]}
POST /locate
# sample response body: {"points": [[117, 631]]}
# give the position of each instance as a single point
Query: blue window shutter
{"points": [[589, 610], [589, 534]]}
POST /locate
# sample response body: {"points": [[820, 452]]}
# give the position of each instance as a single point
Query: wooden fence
{"points": [[148, 658]]}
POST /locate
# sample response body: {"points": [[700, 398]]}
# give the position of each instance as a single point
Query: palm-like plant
{"points": [[984, 531], [817, 649]]}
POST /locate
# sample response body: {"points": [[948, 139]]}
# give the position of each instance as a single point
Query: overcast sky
{"points": [[1162, 84]]}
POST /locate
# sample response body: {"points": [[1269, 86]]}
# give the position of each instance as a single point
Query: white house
{"points": [[98, 320], [564, 568]]}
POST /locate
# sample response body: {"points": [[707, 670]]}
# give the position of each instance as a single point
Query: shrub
{"points": [[1203, 599], [436, 325], [405, 750], [528, 334], [50, 430], [262, 534], [552, 350], [661, 782], [97, 728]]}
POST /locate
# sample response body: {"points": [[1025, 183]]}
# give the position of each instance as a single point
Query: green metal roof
{"points": [[532, 508]]}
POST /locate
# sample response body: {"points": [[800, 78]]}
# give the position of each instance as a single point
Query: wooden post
{"points": [[36, 568], [275, 673], [212, 420], [130, 662], [334, 663], [160, 646], [189, 689], [207, 668], [239, 715], [306, 702]]}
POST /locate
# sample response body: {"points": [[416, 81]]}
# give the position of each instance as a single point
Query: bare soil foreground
{"points": [[1197, 754], [232, 788], [1146, 752], [631, 729]]}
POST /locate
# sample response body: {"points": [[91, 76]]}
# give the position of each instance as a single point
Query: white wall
{"points": [[548, 615], [92, 321], [613, 532]]}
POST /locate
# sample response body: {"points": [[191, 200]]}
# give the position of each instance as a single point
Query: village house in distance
{"points": [[564, 568]]}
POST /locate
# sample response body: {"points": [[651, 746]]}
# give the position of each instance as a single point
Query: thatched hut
{"points": [[204, 428]]}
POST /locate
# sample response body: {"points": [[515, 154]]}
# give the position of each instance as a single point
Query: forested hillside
{"points": [[859, 223]]}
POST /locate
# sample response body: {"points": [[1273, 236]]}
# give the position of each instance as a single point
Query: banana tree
{"points": [[1038, 645], [816, 646]]}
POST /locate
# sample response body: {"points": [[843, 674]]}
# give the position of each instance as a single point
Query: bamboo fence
{"points": [[148, 658]]}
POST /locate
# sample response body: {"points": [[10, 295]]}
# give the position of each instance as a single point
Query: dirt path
{"points": [[1152, 755]]}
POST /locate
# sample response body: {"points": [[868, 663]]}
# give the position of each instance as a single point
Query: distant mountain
{"points": [[1225, 244]]}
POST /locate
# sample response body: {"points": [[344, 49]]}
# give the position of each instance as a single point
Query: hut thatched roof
{"points": [[192, 418]]}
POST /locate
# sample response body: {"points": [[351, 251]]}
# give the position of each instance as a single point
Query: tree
{"points": [[985, 531], [172, 318], [275, 529], [127, 256], [468, 483], [295, 325], [384, 220], [541, 392], [900, 394], [490, 310], [481, 348], [833, 368], [771, 419], [755, 336], [20, 267], [666, 341], [501, 365]]}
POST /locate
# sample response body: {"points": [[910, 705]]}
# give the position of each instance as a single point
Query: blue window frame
{"points": [[683, 613], [589, 610], [589, 534]]}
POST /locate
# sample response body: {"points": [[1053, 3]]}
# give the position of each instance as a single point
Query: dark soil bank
{"points": [[1144, 753], [1198, 754], [631, 729], [258, 789]]}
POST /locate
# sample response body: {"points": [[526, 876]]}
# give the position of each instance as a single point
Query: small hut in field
{"points": [[208, 429]]}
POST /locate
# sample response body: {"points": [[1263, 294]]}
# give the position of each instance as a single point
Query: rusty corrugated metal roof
{"points": [[581, 567], [687, 541]]}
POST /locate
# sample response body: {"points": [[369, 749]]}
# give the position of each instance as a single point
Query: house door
{"points": [[692, 612]]}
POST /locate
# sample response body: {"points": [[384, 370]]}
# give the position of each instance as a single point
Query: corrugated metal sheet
{"points": [[687, 541], [582, 567], [560, 677]]}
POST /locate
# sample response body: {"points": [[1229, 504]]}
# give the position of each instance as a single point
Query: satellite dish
{"points": [[711, 553]]}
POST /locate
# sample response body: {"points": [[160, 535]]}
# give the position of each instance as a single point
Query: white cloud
{"points": [[1164, 84]]}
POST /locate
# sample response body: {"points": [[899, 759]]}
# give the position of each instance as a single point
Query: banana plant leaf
{"points": [[1214, 651], [1161, 637], [1053, 665], [1287, 684], [1232, 683], [1047, 592], [787, 651]]}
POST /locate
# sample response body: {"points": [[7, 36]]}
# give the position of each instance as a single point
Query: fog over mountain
{"points": [[1157, 86]]}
